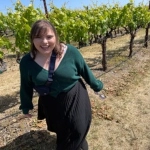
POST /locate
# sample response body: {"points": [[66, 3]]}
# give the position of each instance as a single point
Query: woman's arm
{"points": [[86, 72], [26, 88]]}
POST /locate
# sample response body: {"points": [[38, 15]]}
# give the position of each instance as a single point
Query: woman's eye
{"points": [[49, 37]]}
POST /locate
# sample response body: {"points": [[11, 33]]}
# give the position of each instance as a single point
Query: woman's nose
{"points": [[44, 40]]}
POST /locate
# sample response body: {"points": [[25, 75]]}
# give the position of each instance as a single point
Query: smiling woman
{"points": [[44, 41], [44, 44], [65, 105]]}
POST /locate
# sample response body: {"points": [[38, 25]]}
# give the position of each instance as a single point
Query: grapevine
{"points": [[85, 26]]}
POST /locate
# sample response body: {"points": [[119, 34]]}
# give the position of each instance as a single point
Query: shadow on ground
{"points": [[33, 140], [120, 52], [8, 101]]}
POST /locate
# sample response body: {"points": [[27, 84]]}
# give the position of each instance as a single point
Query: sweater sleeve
{"points": [[26, 90], [87, 74]]}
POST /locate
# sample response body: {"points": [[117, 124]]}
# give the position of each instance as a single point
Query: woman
{"points": [[66, 107]]}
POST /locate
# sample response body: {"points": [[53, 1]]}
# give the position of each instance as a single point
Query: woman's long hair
{"points": [[40, 27]]}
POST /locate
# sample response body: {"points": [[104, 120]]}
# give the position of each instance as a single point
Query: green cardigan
{"points": [[70, 70]]}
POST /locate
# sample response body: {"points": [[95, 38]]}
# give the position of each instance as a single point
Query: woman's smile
{"points": [[45, 43]]}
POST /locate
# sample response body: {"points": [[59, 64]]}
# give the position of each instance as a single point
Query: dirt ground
{"points": [[120, 122]]}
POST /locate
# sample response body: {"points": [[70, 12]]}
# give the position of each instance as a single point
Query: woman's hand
{"points": [[100, 94]]}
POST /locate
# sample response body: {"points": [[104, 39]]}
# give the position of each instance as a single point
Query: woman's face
{"points": [[45, 43]]}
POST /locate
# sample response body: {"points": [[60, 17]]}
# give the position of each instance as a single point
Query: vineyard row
{"points": [[85, 26]]}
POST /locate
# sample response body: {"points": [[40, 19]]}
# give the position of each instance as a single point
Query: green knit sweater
{"points": [[69, 71]]}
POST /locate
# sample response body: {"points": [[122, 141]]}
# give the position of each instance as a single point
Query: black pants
{"points": [[69, 116]]}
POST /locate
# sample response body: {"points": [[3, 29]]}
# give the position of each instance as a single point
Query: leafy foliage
{"points": [[71, 25]]}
